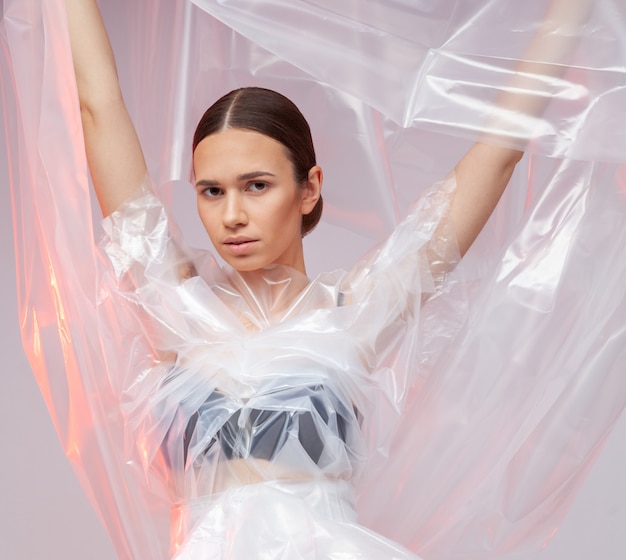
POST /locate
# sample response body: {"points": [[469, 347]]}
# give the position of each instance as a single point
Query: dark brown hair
{"points": [[272, 114]]}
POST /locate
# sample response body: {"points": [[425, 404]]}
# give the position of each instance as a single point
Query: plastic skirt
{"points": [[293, 520]]}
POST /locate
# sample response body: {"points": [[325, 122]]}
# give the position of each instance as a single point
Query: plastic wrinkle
{"points": [[402, 403]]}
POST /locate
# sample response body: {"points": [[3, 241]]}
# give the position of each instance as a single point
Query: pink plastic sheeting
{"points": [[502, 429]]}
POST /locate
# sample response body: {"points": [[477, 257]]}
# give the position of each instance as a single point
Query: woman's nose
{"points": [[234, 211]]}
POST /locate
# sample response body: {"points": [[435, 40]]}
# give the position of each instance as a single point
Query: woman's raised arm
{"points": [[116, 161], [483, 173]]}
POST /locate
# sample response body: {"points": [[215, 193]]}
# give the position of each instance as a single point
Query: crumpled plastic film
{"points": [[485, 404]]}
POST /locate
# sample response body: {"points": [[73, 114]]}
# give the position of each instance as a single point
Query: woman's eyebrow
{"points": [[243, 177], [205, 183], [254, 175]]}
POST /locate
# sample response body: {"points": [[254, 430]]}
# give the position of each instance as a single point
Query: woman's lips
{"points": [[239, 246]]}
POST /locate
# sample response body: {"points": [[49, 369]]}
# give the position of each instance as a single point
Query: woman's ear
{"points": [[311, 190]]}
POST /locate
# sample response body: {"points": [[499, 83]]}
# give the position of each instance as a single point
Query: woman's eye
{"points": [[257, 187], [212, 192]]}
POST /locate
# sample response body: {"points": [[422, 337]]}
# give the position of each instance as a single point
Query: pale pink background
{"points": [[44, 514]]}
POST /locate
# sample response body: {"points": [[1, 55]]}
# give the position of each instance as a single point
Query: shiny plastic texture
{"points": [[456, 415], [267, 379]]}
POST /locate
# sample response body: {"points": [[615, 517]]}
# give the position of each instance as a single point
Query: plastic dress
{"points": [[454, 414], [255, 404]]}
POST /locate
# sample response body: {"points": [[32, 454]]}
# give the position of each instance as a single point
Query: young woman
{"points": [[252, 396]]}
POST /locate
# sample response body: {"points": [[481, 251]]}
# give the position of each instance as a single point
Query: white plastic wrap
{"points": [[266, 379], [498, 429]]}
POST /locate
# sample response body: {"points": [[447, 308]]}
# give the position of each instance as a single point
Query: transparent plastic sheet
{"points": [[500, 431]]}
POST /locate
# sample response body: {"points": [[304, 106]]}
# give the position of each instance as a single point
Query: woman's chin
{"points": [[247, 264]]}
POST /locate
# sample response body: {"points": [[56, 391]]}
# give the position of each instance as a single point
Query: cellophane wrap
{"points": [[492, 387]]}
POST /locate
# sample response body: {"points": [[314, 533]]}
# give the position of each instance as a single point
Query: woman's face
{"points": [[248, 199]]}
